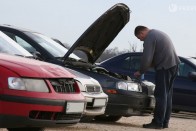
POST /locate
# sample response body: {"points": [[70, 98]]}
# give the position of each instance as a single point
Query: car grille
{"points": [[93, 88], [44, 115], [63, 85]]}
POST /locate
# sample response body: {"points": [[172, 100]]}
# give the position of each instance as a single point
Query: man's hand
{"points": [[137, 74]]}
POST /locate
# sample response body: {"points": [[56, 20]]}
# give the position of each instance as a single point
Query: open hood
{"points": [[101, 33]]}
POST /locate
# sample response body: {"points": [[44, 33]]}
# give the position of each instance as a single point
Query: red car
{"points": [[35, 94]]}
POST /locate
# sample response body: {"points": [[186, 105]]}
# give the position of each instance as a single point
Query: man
{"points": [[159, 53]]}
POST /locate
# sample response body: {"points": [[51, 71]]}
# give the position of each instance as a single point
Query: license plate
{"points": [[74, 107], [99, 102]]}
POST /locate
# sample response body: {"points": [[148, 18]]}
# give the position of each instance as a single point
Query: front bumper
{"points": [[127, 103], [20, 111], [96, 103]]}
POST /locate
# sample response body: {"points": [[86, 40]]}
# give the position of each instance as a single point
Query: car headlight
{"points": [[122, 85], [128, 86], [36, 85], [133, 87]]}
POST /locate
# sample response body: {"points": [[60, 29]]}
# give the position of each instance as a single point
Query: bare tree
{"points": [[108, 53], [133, 47]]}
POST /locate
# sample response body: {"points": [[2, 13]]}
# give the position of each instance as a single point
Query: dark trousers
{"points": [[163, 94]]}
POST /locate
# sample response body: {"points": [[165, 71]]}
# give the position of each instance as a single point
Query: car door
{"points": [[184, 88]]}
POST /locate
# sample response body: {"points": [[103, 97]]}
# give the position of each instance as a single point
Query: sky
{"points": [[66, 20]]}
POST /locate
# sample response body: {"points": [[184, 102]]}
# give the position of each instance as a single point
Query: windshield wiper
{"points": [[30, 57], [24, 56], [19, 55], [58, 57]]}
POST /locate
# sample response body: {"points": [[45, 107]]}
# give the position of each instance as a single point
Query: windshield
{"points": [[193, 60], [50, 45], [8, 46]]}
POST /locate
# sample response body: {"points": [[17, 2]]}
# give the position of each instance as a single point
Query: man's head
{"points": [[141, 32]]}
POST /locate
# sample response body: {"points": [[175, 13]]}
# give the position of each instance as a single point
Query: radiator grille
{"points": [[63, 85], [45, 115]]}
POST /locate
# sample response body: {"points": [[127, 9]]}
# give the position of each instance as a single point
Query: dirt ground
{"points": [[179, 122], [131, 124]]}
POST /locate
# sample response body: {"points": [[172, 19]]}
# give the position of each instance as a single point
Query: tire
{"points": [[108, 118], [26, 129]]}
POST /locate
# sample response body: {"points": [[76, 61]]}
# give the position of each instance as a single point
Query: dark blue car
{"points": [[184, 98]]}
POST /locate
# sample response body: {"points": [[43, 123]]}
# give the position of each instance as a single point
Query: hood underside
{"points": [[101, 33]]}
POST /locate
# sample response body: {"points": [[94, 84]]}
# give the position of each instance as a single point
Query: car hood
{"points": [[101, 33], [26, 67], [84, 79]]}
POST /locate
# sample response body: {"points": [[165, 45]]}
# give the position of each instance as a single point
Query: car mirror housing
{"points": [[37, 55], [192, 76]]}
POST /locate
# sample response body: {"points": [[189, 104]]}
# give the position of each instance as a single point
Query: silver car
{"points": [[95, 97]]}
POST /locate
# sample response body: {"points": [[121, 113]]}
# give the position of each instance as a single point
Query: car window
{"points": [[185, 69], [128, 63], [123, 63], [135, 63], [25, 45], [50, 45], [193, 60], [21, 42], [9, 46]]}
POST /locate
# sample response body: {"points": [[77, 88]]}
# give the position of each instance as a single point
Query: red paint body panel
{"points": [[52, 95], [33, 68], [21, 108]]}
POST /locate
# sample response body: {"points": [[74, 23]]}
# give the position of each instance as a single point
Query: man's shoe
{"points": [[152, 126]]}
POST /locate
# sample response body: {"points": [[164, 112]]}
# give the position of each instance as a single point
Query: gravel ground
{"points": [[133, 123]]}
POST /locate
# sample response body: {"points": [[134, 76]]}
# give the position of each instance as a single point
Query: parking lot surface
{"points": [[179, 122]]}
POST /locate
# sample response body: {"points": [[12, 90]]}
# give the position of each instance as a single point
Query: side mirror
{"points": [[192, 76], [37, 55]]}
